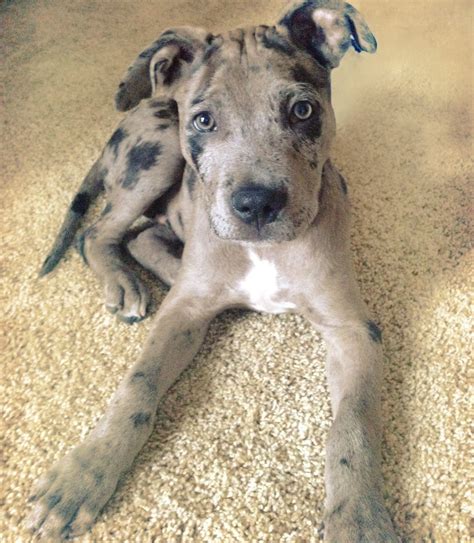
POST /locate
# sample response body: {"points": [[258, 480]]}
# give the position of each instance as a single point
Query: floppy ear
{"points": [[161, 65], [327, 28]]}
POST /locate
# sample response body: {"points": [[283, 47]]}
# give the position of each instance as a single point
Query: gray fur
{"points": [[256, 141]]}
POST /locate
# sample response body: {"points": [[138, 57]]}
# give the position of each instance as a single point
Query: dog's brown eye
{"points": [[204, 122], [302, 110]]}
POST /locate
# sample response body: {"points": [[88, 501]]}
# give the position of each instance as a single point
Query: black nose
{"points": [[258, 204]]}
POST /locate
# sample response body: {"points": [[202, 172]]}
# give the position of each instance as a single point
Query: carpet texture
{"points": [[238, 449]]}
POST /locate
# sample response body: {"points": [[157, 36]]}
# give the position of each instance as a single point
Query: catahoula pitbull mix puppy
{"points": [[231, 154]]}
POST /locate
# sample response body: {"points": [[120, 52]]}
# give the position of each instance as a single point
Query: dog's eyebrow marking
{"points": [[141, 157], [301, 75], [374, 332], [198, 100], [81, 203], [117, 137]]}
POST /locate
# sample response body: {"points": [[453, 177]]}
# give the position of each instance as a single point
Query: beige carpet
{"points": [[238, 450]]}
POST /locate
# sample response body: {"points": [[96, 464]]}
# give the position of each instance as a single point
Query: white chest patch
{"points": [[262, 288]]}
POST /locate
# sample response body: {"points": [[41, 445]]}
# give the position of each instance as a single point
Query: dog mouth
{"points": [[255, 232]]}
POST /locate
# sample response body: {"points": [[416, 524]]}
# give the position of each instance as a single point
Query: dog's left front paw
{"points": [[359, 520]]}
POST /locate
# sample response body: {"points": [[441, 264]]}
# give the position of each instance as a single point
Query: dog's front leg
{"points": [[72, 494], [355, 510]]}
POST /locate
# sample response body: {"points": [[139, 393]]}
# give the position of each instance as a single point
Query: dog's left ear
{"points": [[327, 28]]}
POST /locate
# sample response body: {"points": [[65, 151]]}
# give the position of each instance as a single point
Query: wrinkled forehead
{"points": [[245, 62]]}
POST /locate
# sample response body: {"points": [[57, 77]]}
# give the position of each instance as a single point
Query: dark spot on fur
{"points": [[186, 54], [180, 220], [362, 406], [98, 477], [345, 462], [343, 184], [117, 137], [141, 157], [210, 51], [158, 103], [301, 75], [80, 248], [238, 38], [140, 419], [284, 117], [90, 233], [174, 247], [312, 127], [272, 40], [195, 149], [303, 31], [107, 209], [374, 332], [53, 500], [190, 179], [141, 377], [158, 207], [338, 509], [188, 336], [198, 100], [313, 164], [163, 126], [163, 114], [322, 190], [81, 203], [66, 509], [147, 53], [172, 71]]}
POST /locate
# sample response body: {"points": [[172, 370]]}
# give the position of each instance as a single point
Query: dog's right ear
{"points": [[326, 29], [161, 65]]}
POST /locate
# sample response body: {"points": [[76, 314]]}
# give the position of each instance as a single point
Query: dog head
{"points": [[255, 115]]}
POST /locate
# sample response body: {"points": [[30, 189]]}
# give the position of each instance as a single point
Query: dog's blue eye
{"points": [[204, 122], [302, 110]]}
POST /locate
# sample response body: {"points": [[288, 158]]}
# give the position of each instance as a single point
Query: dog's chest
{"points": [[263, 287]]}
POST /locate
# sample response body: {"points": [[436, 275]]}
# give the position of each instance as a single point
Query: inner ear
{"points": [[162, 64], [166, 66]]}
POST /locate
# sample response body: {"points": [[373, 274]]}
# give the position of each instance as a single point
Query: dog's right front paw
{"points": [[71, 495], [361, 520], [126, 296]]}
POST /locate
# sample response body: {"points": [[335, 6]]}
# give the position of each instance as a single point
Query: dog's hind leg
{"points": [[148, 162], [159, 250]]}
